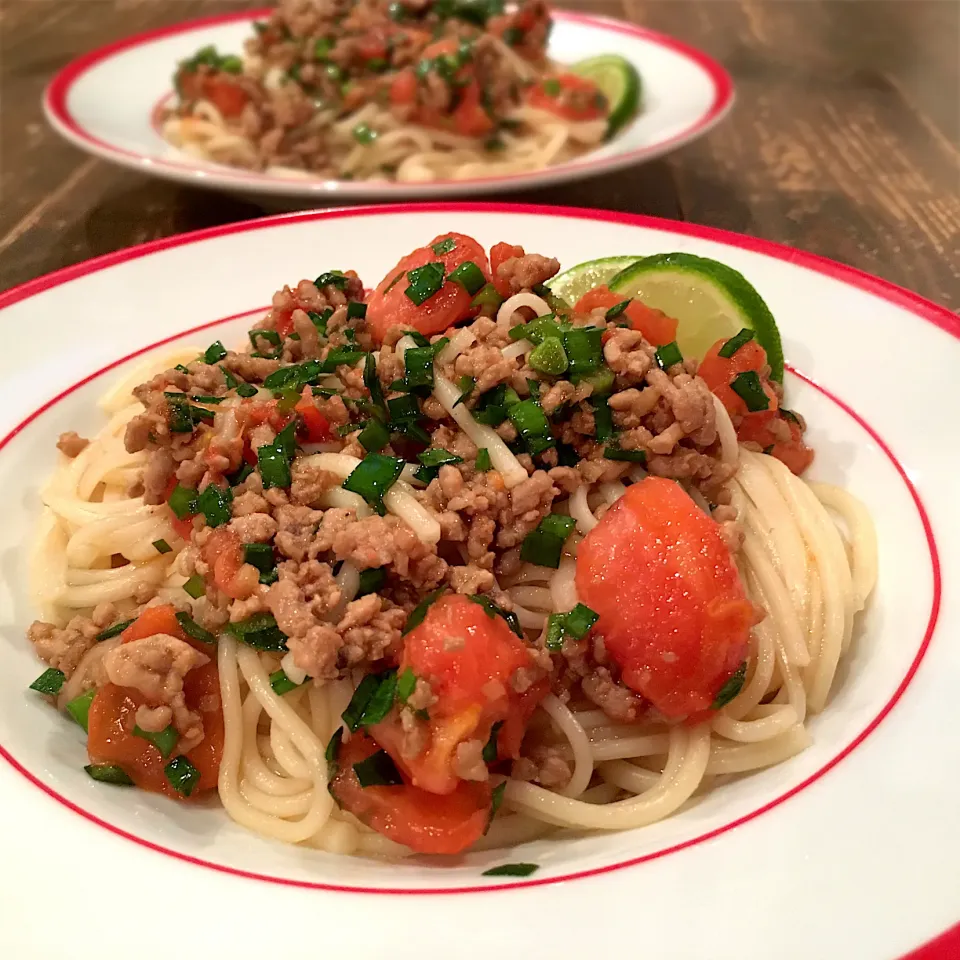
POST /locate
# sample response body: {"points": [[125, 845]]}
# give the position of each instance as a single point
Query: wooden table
{"points": [[844, 141]]}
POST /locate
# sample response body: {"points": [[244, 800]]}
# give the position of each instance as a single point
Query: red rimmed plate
{"points": [[852, 842], [105, 103]]}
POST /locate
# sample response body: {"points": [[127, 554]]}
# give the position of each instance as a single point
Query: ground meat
{"points": [[628, 355], [691, 403], [309, 483], [470, 579], [250, 368], [254, 527], [64, 647], [296, 527], [72, 444], [468, 761], [550, 765], [527, 271], [486, 364], [155, 667], [530, 502], [614, 699]]}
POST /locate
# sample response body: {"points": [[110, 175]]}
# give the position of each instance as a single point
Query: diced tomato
{"points": [[656, 327], [673, 613], [390, 306], [223, 552], [372, 44], [569, 96], [423, 821], [719, 372], [253, 414], [499, 254], [315, 425], [469, 659], [283, 321], [111, 738], [154, 620], [469, 117], [759, 428], [514, 726], [221, 89], [403, 88]]}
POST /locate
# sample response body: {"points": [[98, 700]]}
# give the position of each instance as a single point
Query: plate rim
{"points": [[57, 91]]}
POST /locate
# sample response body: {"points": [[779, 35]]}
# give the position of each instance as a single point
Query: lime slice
{"points": [[709, 299], [572, 284], [618, 81]]}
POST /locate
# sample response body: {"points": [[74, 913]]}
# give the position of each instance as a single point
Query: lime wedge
{"points": [[572, 284], [618, 81], [709, 299]]}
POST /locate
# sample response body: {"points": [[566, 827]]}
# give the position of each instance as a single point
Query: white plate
{"points": [[853, 844], [106, 103]]}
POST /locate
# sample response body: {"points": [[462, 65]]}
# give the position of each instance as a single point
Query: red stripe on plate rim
{"points": [[58, 90], [886, 290]]}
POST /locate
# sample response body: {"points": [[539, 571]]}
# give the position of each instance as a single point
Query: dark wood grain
{"points": [[845, 139]]}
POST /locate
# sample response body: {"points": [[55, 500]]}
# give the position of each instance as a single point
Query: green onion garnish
{"points": [[371, 380], [332, 753], [259, 631], [544, 545], [373, 477], [371, 701], [79, 707], [164, 740], [259, 555], [549, 357], [469, 276], [668, 355], [113, 631], [49, 682], [511, 869], [551, 87], [231, 381], [493, 405], [487, 296], [246, 390], [356, 310], [749, 389], [161, 546], [432, 461], [579, 621], [601, 380], [319, 320], [108, 773], [490, 747], [281, 683], [532, 425], [182, 775], [235, 479], [195, 587], [466, 385], [555, 632], [731, 688], [602, 418], [496, 799], [321, 47], [214, 504], [332, 278], [444, 246], [272, 337], [371, 580], [584, 348], [378, 770], [536, 331], [363, 134], [214, 353], [420, 610], [406, 684], [374, 436], [341, 356], [616, 310], [425, 281], [193, 629], [492, 610], [483, 460], [630, 456], [273, 459], [735, 343], [418, 367], [183, 502]]}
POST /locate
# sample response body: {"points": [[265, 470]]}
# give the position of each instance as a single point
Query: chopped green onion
{"points": [[749, 389], [551, 87], [259, 631], [271, 336], [371, 580], [444, 246], [397, 12], [281, 683], [378, 770], [79, 707], [511, 869], [418, 367], [406, 684], [496, 799], [164, 740], [332, 278], [532, 425], [602, 418], [490, 747], [332, 753], [418, 338], [371, 701], [584, 348], [536, 331], [259, 555], [49, 682], [319, 320], [420, 610], [374, 436], [616, 310], [735, 343], [235, 479], [373, 477], [566, 455], [371, 380], [181, 418], [108, 773], [161, 546], [487, 296], [555, 632], [629, 456], [425, 281], [483, 460], [493, 610], [273, 459], [322, 47], [183, 502], [789, 415], [231, 381], [214, 504], [113, 631], [601, 380], [341, 356], [668, 355], [247, 390], [493, 405], [579, 621], [549, 357], [193, 629], [544, 545], [432, 461], [363, 134], [214, 353], [469, 276], [195, 587], [731, 688], [231, 64], [356, 310], [182, 775]]}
